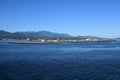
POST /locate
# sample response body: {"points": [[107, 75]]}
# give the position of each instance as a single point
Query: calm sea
{"points": [[76, 61]]}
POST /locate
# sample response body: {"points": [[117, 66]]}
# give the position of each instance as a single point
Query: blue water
{"points": [[75, 61]]}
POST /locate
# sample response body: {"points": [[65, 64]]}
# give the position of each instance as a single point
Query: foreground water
{"points": [[80, 61]]}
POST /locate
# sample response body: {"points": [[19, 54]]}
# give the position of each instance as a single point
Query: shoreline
{"points": [[32, 42]]}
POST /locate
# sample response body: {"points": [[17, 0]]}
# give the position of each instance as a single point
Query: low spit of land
{"points": [[42, 41]]}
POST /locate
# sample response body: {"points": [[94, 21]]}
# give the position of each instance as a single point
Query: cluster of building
{"points": [[57, 40]]}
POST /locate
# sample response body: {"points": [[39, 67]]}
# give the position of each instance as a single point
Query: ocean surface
{"points": [[73, 61]]}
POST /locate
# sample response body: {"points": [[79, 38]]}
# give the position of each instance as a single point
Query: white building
{"points": [[42, 40], [29, 39]]}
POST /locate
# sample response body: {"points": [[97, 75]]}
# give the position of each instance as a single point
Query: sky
{"points": [[75, 17]]}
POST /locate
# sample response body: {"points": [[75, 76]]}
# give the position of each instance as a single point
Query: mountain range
{"points": [[39, 34]]}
